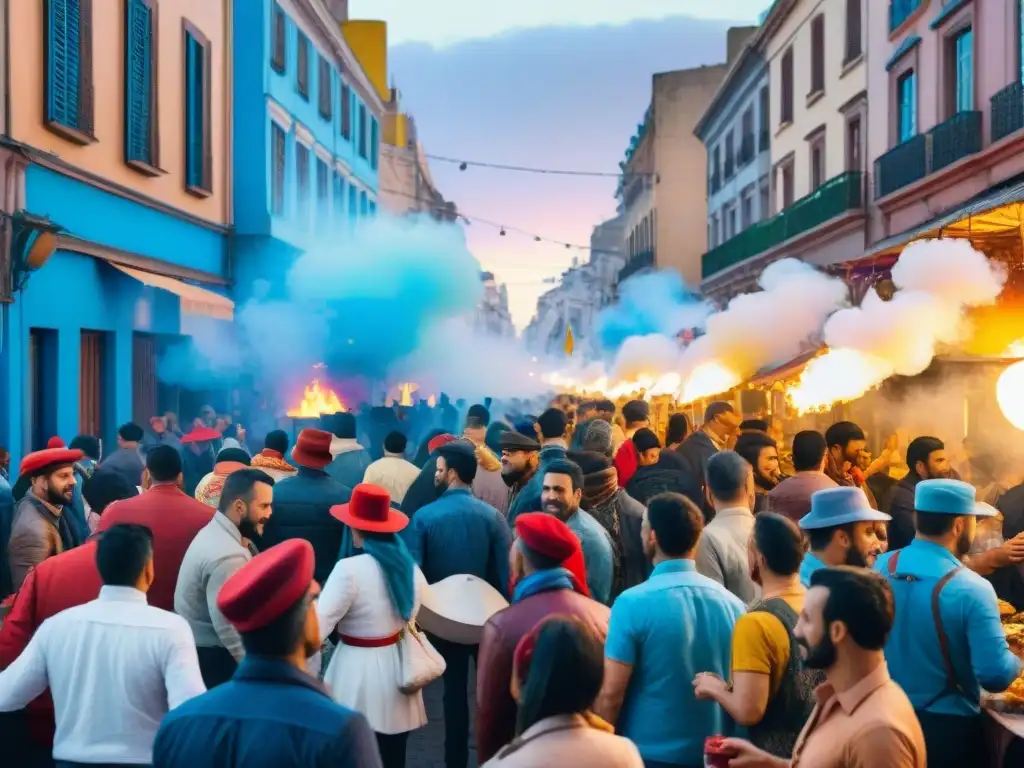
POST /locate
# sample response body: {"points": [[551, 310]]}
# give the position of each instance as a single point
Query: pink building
{"points": [[946, 116]]}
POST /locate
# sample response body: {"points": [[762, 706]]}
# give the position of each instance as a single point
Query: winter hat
{"points": [[598, 437]]}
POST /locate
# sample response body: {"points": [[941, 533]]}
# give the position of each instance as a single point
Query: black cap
{"points": [[516, 441]]}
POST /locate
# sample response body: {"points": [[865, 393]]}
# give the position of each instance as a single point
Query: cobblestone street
{"points": [[426, 746]]}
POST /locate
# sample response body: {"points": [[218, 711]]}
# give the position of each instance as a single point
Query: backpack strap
{"points": [[893, 560]]}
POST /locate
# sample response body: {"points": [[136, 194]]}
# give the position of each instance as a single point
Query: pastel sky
{"points": [[542, 83]]}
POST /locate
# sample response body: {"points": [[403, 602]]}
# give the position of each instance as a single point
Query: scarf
{"points": [[398, 567], [599, 488], [271, 459], [542, 581]]}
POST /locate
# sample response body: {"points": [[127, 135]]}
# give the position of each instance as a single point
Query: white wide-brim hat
{"points": [[455, 609]]}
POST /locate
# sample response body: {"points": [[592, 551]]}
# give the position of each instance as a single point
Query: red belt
{"points": [[371, 642]]}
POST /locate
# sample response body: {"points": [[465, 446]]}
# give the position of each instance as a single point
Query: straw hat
{"points": [[456, 609]]}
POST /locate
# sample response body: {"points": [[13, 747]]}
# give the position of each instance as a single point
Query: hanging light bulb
{"points": [[463, 166], [567, 246], [502, 233], [537, 238]]}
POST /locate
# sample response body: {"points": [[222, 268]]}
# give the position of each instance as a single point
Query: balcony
{"points": [[945, 144], [900, 11], [1007, 111], [833, 198], [746, 150], [638, 262]]}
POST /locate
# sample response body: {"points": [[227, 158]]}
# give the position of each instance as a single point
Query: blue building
{"points": [[115, 208], [735, 131], [309, 90]]}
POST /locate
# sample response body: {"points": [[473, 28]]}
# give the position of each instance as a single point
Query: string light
{"points": [[465, 165]]}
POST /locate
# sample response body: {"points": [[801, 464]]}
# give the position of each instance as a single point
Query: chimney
{"points": [[338, 10]]}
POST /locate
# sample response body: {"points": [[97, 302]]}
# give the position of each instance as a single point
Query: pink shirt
{"points": [[792, 497]]}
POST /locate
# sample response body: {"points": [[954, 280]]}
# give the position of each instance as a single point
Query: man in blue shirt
{"points": [[561, 492], [662, 633], [947, 643], [552, 425], [842, 529]]}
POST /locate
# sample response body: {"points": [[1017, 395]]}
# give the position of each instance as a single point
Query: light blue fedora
{"points": [[839, 506]]}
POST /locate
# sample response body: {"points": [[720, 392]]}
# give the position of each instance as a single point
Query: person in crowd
{"points": [[722, 552], [350, 458], [762, 454], [58, 583], [423, 453], [271, 712], [842, 529], [771, 691], [392, 472], [585, 411], [721, 424], [792, 497], [6, 521], [845, 441], [927, 459], [174, 518], [115, 665], [5, 464], [223, 546], [84, 468], [944, 663], [648, 447], [487, 485], [271, 459], [561, 495], [459, 534], [677, 431], [671, 474], [228, 460], [552, 429], [543, 587], [637, 415], [127, 459], [424, 490], [100, 492], [861, 716], [39, 529], [198, 455], [233, 436], [661, 634], [753, 425], [520, 455], [162, 430], [369, 600], [557, 671], [492, 439]]}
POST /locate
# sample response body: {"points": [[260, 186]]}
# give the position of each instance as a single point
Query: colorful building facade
{"points": [[310, 87], [116, 199]]}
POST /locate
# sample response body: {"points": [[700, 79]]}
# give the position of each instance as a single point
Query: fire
{"points": [[708, 379], [1010, 385], [432, 401], [316, 400], [838, 376]]}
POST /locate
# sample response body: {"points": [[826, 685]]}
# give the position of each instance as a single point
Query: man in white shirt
{"points": [[114, 666], [393, 473]]}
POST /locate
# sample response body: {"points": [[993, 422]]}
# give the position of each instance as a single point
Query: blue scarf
{"points": [[399, 568], [542, 581]]}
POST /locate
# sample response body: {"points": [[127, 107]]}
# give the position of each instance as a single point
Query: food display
{"points": [[1011, 701]]}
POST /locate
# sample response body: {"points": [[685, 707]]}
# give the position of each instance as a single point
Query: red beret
{"points": [[34, 463], [439, 441], [55, 442], [268, 585], [547, 535]]}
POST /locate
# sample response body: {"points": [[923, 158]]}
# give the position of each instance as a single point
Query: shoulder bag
{"points": [[421, 663]]}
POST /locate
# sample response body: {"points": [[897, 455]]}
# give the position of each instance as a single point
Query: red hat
{"points": [[440, 440], [201, 435], [56, 442], [268, 585], [547, 535], [370, 510], [313, 449], [35, 463]]}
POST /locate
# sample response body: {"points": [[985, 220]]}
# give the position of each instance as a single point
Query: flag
{"points": [[569, 343]]}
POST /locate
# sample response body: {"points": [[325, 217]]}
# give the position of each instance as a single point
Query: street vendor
{"points": [[947, 643]]}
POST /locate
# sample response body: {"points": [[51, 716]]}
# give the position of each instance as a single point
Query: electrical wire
{"points": [[465, 164]]}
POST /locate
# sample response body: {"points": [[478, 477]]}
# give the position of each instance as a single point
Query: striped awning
{"points": [[194, 300]]}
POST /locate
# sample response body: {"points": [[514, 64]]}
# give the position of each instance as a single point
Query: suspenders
{"points": [[952, 686]]}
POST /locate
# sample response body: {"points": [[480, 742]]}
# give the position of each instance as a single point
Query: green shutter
{"points": [[195, 104], [63, 61], [138, 82]]}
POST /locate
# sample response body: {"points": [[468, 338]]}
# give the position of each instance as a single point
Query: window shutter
{"points": [[138, 71], [59, 90], [194, 118], [83, 74]]}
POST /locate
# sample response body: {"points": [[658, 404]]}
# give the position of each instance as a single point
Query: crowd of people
{"points": [[627, 598]]}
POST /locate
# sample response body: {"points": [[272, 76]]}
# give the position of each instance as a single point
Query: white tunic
{"points": [[355, 599]]}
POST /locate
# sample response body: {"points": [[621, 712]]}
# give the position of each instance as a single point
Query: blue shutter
{"points": [[363, 208], [339, 198], [63, 62], [195, 105], [138, 85], [353, 211]]}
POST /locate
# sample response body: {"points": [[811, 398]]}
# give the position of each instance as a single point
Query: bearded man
{"points": [[928, 460], [843, 530], [40, 529], [520, 455]]}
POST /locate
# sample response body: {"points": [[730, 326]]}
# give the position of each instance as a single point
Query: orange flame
{"points": [[316, 400]]}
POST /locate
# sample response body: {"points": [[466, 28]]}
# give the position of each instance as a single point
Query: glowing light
{"points": [[708, 379], [432, 401], [1010, 394], [316, 400], [838, 376], [406, 398]]}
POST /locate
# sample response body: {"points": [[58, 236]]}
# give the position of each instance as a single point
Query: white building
{"points": [[492, 315]]}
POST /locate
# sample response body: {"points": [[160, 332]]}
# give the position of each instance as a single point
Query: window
{"points": [[713, 231], [362, 131], [69, 92], [817, 54], [763, 140], [854, 34], [766, 199], [747, 208], [140, 123], [364, 207], [353, 195], [198, 155], [785, 184], [279, 39], [786, 103], [346, 112], [323, 191], [339, 198], [747, 138], [853, 144], [302, 66], [373, 209], [817, 163], [324, 87], [730, 157], [90, 387], [302, 178], [374, 143], [730, 221], [962, 61], [277, 148], [906, 106]]}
